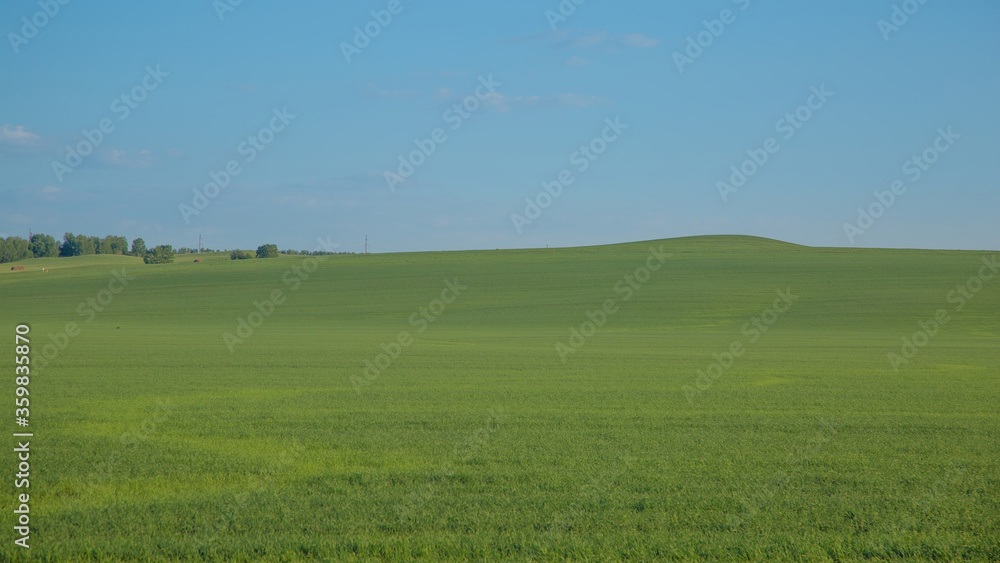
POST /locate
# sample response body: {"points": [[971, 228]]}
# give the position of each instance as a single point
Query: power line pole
{"points": [[199, 244], [366, 244]]}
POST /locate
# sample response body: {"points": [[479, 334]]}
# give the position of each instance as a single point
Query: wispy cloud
{"points": [[581, 100], [372, 90], [563, 39], [18, 135], [638, 41], [502, 102], [577, 61], [557, 35], [396, 94], [49, 193], [590, 39], [127, 159]]}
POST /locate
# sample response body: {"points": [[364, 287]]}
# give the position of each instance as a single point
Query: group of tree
{"points": [[291, 252], [45, 246], [82, 245], [263, 251], [271, 251], [163, 254]]}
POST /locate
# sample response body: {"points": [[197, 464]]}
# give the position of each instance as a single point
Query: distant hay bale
{"points": [[17, 267], [197, 260]]}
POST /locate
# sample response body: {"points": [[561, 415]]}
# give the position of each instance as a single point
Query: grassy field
{"points": [[653, 440]]}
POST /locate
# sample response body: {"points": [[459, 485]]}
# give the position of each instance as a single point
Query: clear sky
{"points": [[199, 78]]}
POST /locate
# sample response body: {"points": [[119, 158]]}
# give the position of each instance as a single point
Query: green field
{"points": [[478, 443]]}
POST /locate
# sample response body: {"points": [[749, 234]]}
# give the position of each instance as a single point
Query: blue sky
{"points": [[208, 83]]}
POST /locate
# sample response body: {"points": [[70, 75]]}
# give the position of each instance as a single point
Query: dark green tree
{"points": [[14, 248], [138, 247], [68, 246], [113, 245], [267, 251], [6, 252], [77, 245], [44, 246], [163, 254]]}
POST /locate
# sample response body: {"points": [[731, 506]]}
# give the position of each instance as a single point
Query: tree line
{"points": [[46, 246], [271, 251]]}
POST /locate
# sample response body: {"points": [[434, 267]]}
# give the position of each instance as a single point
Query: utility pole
{"points": [[366, 244], [199, 244]]}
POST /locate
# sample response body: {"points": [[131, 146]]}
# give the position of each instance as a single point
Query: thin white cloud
{"points": [[50, 193], [372, 90], [18, 135], [502, 102], [577, 61], [592, 39], [395, 94], [556, 35], [580, 100], [117, 157], [639, 41]]}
